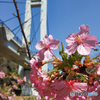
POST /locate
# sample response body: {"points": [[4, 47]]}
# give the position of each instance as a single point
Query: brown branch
{"points": [[22, 28]]}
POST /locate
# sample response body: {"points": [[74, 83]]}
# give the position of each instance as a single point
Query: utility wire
{"points": [[36, 31], [17, 31], [34, 15], [15, 28], [32, 33], [25, 21], [14, 17]]}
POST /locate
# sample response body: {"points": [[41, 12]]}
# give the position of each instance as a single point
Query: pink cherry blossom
{"points": [[90, 88], [38, 97], [46, 46], [14, 86], [2, 74], [82, 42], [97, 89], [9, 89], [80, 98], [63, 88], [14, 95], [24, 78], [96, 83], [19, 80], [1, 95], [10, 97], [59, 85], [35, 63]]}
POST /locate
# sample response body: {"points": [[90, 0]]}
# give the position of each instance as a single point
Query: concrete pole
{"points": [[43, 30], [43, 27], [27, 30]]}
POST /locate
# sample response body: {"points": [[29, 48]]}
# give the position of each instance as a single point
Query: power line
{"points": [[14, 17], [35, 15], [36, 31], [32, 33], [32, 17], [18, 31], [25, 21], [15, 28]]}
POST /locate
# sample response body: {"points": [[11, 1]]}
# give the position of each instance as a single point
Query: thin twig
{"points": [[22, 28]]}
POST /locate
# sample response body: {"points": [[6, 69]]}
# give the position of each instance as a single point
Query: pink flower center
{"points": [[46, 46], [79, 40]]}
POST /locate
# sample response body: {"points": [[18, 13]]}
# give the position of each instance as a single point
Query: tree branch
{"points": [[22, 28]]}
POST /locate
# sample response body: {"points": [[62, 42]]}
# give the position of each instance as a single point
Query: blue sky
{"points": [[64, 17]]}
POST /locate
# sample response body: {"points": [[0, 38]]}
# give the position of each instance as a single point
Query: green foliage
{"points": [[62, 53], [77, 57], [68, 61]]}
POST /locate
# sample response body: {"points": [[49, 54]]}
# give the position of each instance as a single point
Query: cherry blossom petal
{"points": [[83, 36], [60, 98], [64, 92], [32, 62], [71, 38], [41, 54], [98, 70], [47, 40], [50, 37], [96, 83], [80, 98], [78, 87], [59, 85], [71, 48], [48, 54], [2, 74], [90, 88], [83, 29], [91, 40], [54, 44], [84, 49], [39, 45]]}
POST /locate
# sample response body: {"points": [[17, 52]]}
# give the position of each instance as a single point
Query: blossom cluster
{"points": [[68, 74], [7, 92]]}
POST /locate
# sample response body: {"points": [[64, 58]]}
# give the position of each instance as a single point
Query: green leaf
{"points": [[58, 67], [59, 51], [62, 47], [77, 57], [80, 57]]}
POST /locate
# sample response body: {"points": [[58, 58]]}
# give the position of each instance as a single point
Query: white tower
{"points": [[27, 30], [43, 19]]}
